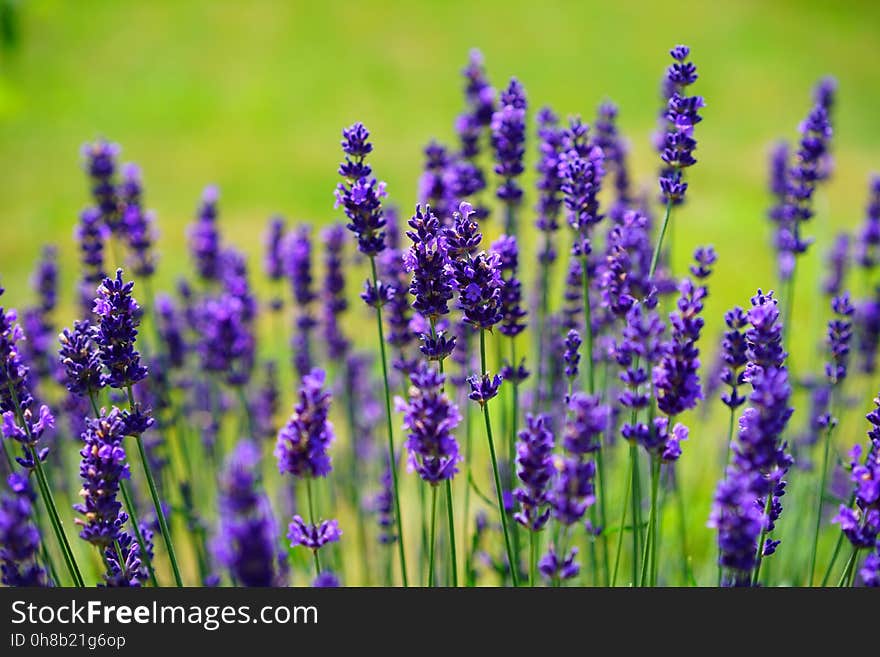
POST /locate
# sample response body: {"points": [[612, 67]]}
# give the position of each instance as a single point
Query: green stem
{"points": [[157, 504], [789, 309], [682, 530], [650, 542], [655, 259], [848, 570], [823, 479], [623, 508], [543, 307], [759, 557], [135, 525], [635, 501], [451, 520], [600, 466], [313, 520], [391, 452], [533, 558], [498, 491], [433, 536]]}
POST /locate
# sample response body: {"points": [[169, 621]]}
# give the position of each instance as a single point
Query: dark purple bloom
{"points": [[572, 355], [734, 358], [103, 466], [463, 235], [572, 492], [378, 295], [483, 388], [511, 292], [437, 347], [676, 377], [360, 195], [477, 278], [430, 418], [124, 565], [326, 580], [137, 223], [264, 404], [870, 570], [168, 320], [868, 244], [738, 520], [779, 212], [581, 170], [302, 443], [434, 189], [479, 94], [624, 277], [91, 235], [508, 143], [334, 300], [204, 237], [431, 285], [534, 461], [682, 114], [839, 337], [273, 258], [38, 319], [607, 138], [247, 538], [80, 358], [298, 263], [383, 504], [802, 178], [313, 536], [100, 165], [640, 346], [119, 315], [19, 536], [585, 423], [549, 182], [552, 567], [837, 265]]}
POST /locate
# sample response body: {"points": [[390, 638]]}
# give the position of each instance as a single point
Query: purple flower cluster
{"points": [[431, 285], [549, 184], [477, 278], [91, 235], [104, 465], [682, 114], [19, 536], [99, 160], [302, 443], [512, 312], [534, 467], [839, 337], [676, 377], [360, 195], [572, 356], [273, 260], [868, 244], [837, 264], [313, 536], [430, 418], [119, 315], [247, 538], [204, 237], [581, 170], [508, 143], [137, 223], [734, 357], [297, 250]]}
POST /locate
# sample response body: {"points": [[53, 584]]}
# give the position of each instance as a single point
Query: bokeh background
{"points": [[252, 96]]}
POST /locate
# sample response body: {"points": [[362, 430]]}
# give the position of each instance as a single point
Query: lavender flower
{"points": [[573, 489], [639, 347], [204, 237], [682, 114], [19, 536], [535, 470], [868, 244], [552, 567], [99, 159], [572, 355], [137, 223], [870, 570], [837, 264], [624, 277], [549, 182], [247, 538], [273, 258], [37, 320], [168, 323], [302, 443], [430, 418], [264, 404], [124, 565], [91, 234], [839, 338], [104, 465], [333, 292], [511, 292], [734, 358], [360, 195], [738, 520], [431, 285], [581, 170], [867, 321], [479, 94], [477, 278], [383, 504], [313, 536], [326, 580], [483, 388], [81, 360], [508, 142], [119, 316], [614, 148], [433, 187], [586, 421], [860, 522], [676, 378], [298, 262]]}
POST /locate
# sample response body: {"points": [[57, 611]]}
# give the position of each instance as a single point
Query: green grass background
{"points": [[252, 96]]}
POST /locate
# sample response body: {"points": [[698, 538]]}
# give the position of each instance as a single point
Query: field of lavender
{"points": [[510, 367]]}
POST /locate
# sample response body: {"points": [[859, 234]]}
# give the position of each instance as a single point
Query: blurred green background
{"points": [[252, 96]]}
